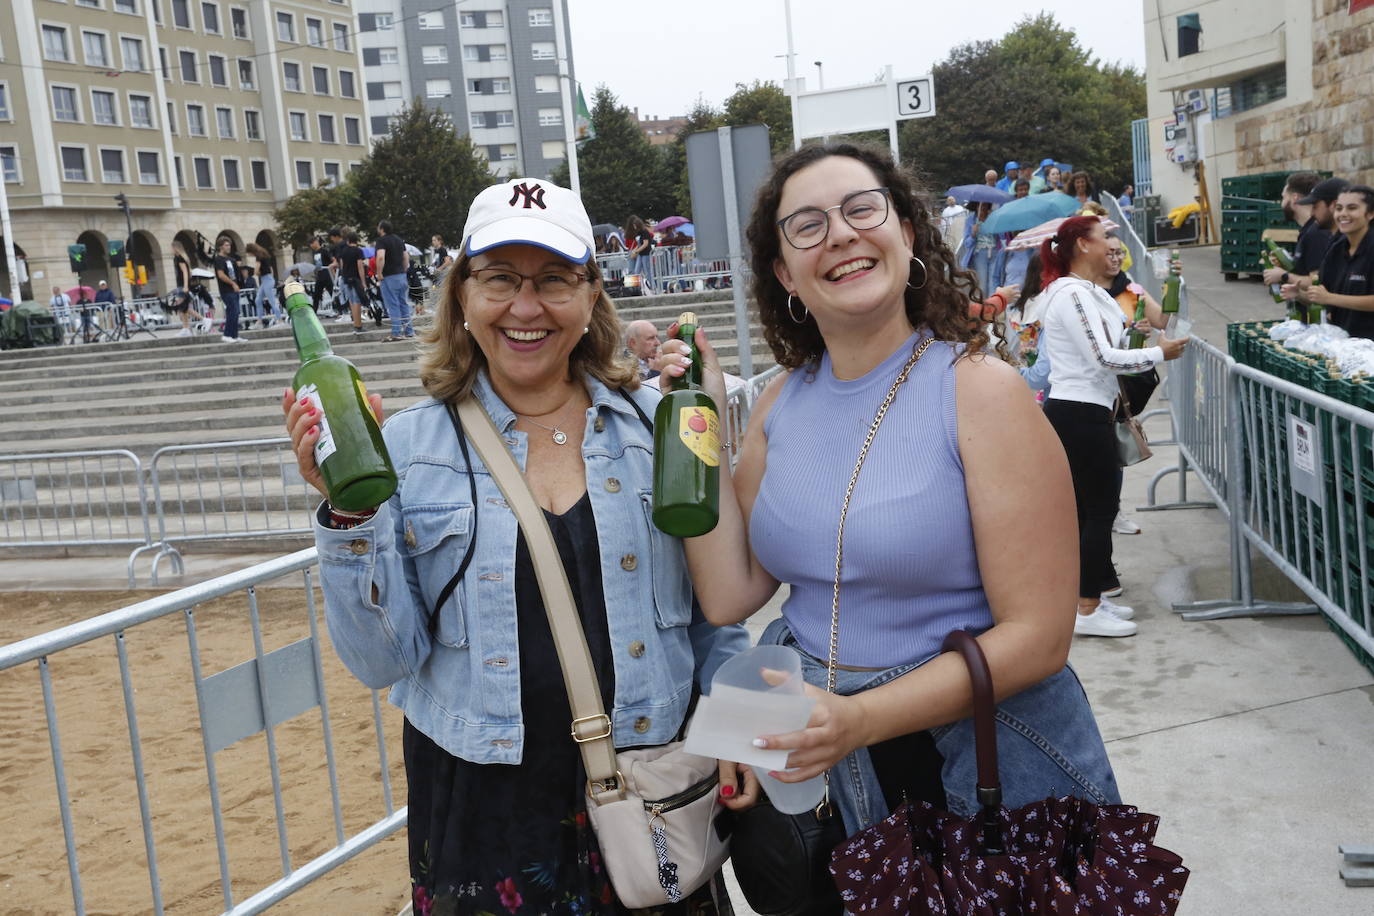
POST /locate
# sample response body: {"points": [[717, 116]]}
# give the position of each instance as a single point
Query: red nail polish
{"points": [[305, 402], [311, 412], [727, 791]]}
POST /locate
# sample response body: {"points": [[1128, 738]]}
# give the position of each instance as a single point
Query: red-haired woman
{"points": [[1083, 337]]}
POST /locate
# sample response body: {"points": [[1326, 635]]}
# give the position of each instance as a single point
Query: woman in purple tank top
{"points": [[852, 277]]}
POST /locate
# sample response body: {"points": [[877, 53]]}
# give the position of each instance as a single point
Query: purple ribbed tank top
{"points": [[910, 567]]}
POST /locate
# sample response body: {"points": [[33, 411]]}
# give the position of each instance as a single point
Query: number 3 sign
{"points": [[915, 98]]}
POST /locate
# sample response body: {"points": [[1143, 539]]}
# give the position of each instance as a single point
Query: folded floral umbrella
{"points": [[1051, 858], [1032, 238]]}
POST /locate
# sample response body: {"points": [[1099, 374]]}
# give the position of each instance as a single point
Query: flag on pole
{"points": [[582, 120]]}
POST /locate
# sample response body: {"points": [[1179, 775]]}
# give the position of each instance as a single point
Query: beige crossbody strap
{"points": [[591, 727]]}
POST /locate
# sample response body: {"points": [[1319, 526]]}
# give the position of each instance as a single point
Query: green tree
{"points": [[762, 103], [620, 172], [1035, 93], [314, 210], [422, 176]]}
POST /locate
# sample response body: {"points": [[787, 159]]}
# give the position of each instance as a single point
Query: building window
{"points": [[508, 151], [430, 21], [246, 80], [195, 120], [477, 119], [546, 82], [296, 122], [353, 131], [112, 166], [331, 173], [471, 54], [1189, 34], [1259, 89], [9, 164], [172, 117], [314, 33], [438, 89], [103, 107], [205, 176], [232, 181], [219, 73], [74, 164], [381, 125], [131, 49], [505, 119], [327, 129], [304, 174], [188, 66], [55, 43], [238, 22], [126, 6], [497, 52], [388, 56], [149, 167], [141, 110], [541, 17], [181, 15], [391, 90], [252, 125], [550, 117], [341, 41], [162, 62], [286, 27], [181, 175], [467, 20], [96, 49], [500, 86], [474, 87], [320, 77], [4, 102], [438, 54], [157, 11], [291, 76], [383, 22], [494, 19], [348, 88], [542, 50], [554, 149], [209, 17], [258, 169], [64, 107], [224, 123]]}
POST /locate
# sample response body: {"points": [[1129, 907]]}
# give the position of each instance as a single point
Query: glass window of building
{"points": [[246, 77], [541, 50], [348, 87], [224, 123], [112, 166], [497, 52], [438, 89], [388, 56], [500, 86], [188, 66], [103, 107], [382, 22], [55, 43], [331, 173], [127, 6], [495, 20], [541, 17], [327, 129], [64, 104], [238, 22], [252, 125], [131, 49], [209, 17], [342, 41], [319, 77], [232, 181], [304, 174], [74, 164], [434, 19], [96, 49], [219, 72], [470, 53], [353, 131], [505, 119], [550, 117], [546, 82], [314, 32], [149, 167], [259, 170], [181, 14], [286, 27], [4, 102], [205, 176], [195, 120], [291, 76], [438, 54], [9, 163], [391, 90], [141, 110], [477, 119], [296, 121]]}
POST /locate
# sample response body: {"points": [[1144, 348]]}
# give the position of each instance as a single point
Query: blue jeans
{"points": [[642, 264], [1047, 745], [394, 290], [231, 313], [267, 293], [981, 264]]}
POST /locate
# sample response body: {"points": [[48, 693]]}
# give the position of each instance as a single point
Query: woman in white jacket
{"points": [[1084, 338]]}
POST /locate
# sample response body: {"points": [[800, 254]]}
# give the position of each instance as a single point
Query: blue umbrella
{"points": [[979, 193], [1029, 212]]}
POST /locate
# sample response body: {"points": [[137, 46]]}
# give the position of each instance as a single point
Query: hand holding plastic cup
{"points": [[758, 692], [1178, 328]]}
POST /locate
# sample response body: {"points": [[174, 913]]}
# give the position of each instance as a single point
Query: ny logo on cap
{"points": [[533, 196]]}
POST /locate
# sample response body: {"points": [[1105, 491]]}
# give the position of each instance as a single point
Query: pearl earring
{"points": [[465, 326]]}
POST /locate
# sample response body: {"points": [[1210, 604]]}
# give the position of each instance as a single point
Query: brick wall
{"points": [[1336, 131]]}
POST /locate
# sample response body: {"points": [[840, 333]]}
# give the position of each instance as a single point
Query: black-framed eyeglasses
{"points": [[809, 226], [501, 284]]}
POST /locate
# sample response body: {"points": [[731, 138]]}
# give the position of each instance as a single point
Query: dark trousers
{"points": [[231, 313], [323, 284], [1090, 443]]}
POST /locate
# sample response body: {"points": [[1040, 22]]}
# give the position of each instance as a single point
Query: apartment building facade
{"points": [[491, 65], [205, 114]]}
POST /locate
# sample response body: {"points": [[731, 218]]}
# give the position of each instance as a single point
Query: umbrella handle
{"points": [[984, 735]]}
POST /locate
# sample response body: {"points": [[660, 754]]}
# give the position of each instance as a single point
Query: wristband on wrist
{"points": [[1285, 277], [342, 521]]}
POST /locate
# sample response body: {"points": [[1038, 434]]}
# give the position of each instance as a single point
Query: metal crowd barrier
{"points": [[1197, 387], [673, 268], [74, 499], [256, 696]]}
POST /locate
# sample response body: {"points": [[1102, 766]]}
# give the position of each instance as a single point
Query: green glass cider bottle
{"points": [[352, 457], [686, 449]]}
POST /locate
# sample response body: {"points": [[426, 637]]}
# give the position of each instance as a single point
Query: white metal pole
{"points": [[791, 73], [7, 230], [566, 88], [892, 124]]}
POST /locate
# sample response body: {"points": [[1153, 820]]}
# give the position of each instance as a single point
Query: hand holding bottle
{"points": [[675, 361], [303, 426]]}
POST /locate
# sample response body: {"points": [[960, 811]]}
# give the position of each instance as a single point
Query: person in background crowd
{"points": [[1023, 324], [1084, 335], [639, 243], [392, 262], [981, 249], [642, 343], [1347, 270], [1021, 188], [266, 297], [1038, 178], [1308, 201], [61, 305], [990, 178], [442, 257], [104, 294], [1008, 181], [352, 276], [179, 299], [1080, 186], [1053, 179], [226, 275], [323, 258], [1127, 200]]}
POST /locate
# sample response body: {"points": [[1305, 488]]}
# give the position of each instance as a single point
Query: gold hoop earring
{"points": [[925, 274], [793, 315]]}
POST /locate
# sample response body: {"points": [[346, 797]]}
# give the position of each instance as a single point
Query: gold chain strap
{"points": [[844, 510]]}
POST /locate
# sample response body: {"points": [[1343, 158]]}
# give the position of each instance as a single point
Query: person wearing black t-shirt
{"points": [[1347, 271], [1312, 204], [226, 275], [392, 263], [324, 278], [351, 264]]}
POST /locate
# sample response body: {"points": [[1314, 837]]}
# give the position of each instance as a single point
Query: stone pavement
{"points": [[1250, 738]]}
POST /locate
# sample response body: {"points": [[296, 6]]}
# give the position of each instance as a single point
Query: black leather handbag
{"points": [[781, 860], [1138, 388]]}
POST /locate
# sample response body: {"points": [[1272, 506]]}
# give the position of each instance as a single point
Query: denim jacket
{"points": [[462, 687]]}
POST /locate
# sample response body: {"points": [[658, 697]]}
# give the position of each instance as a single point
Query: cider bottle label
{"points": [[325, 446], [699, 429]]}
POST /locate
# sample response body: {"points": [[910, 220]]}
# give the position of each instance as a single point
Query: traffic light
{"points": [[123, 203], [127, 271], [76, 255], [142, 275], [116, 249]]}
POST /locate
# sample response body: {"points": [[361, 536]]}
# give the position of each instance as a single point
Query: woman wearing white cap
{"points": [[433, 593]]}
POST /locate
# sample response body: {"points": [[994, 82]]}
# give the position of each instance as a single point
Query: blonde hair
{"points": [[450, 360]]}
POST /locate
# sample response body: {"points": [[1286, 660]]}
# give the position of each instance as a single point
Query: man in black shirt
{"points": [[349, 261], [323, 276], [226, 275], [1319, 231], [392, 263]]}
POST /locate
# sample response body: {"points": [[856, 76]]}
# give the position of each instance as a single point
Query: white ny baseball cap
{"points": [[528, 211]]}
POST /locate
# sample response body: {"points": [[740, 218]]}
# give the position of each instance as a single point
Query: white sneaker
{"points": [[232, 339], [1119, 611], [1112, 592], [1123, 525], [204, 324], [1101, 623], [184, 332], [344, 318]]}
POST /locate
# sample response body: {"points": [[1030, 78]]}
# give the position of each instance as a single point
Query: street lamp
{"points": [[820, 75]]}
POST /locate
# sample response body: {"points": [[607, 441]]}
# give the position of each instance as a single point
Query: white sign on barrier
{"points": [[1305, 460], [869, 106], [916, 98]]}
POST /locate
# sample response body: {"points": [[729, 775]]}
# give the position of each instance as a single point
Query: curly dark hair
{"points": [[940, 304]]}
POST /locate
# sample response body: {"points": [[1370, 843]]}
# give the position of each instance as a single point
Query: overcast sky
{"points": [[659, 56]]}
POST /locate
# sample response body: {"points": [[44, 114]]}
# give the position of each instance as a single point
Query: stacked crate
{"points": [[1249, 205]]}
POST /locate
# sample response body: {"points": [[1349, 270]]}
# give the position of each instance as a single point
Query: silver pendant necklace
{"points": [[559, 437]]}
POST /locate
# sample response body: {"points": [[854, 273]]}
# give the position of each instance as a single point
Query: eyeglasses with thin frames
{"points": [[501, 284], [810, 226]]}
